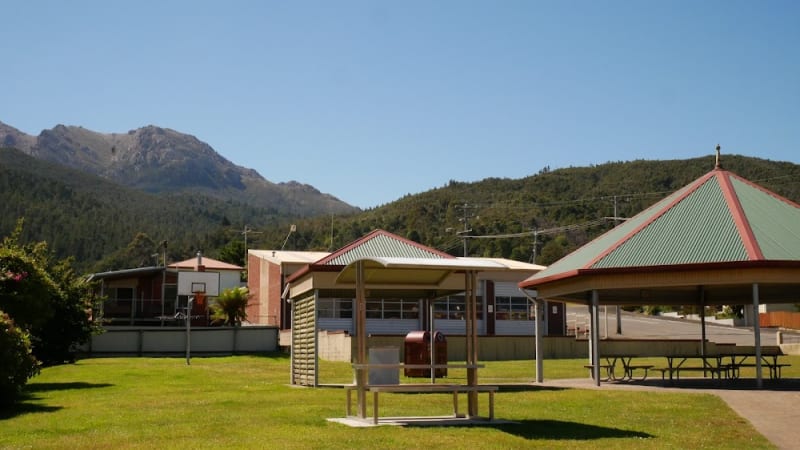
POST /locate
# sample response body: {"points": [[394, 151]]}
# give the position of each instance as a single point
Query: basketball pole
{"points": [[189, 331]]}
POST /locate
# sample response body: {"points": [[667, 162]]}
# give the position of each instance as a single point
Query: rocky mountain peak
{"points": [[157, 159]]}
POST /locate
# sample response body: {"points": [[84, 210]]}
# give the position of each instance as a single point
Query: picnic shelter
{"points": [[720, 240]]}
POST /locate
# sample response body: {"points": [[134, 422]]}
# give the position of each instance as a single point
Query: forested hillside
{"points": [[566, 207], [96, 221], [106, 226]]}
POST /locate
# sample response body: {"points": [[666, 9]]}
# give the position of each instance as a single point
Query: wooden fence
{"points": [[780, 319]]}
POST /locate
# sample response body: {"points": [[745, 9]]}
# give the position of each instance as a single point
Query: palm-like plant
{"points": [[230, 307]]}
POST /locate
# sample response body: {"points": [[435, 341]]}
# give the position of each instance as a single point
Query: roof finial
{"points": [[718, 165]]}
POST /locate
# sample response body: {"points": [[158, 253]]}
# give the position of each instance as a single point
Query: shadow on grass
{"points": [[23, 407], [47, 387], [26, 404], [527, 387], [560, 430], [269, 355]]}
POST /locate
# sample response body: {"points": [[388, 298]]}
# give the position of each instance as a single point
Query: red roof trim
{"points": [[739, 218], [764, 263], [655, 216], [555, 277]]}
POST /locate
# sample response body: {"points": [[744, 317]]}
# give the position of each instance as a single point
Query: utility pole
{"points": [[535, 245], [245, 232], [618, 311], [465, 220]]}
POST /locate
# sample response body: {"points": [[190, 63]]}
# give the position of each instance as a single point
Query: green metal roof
{"points": [[380, 243], [775, 221], [720, 217]]}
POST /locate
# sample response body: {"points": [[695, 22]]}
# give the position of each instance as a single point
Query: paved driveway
{"points": [[773, 412]]}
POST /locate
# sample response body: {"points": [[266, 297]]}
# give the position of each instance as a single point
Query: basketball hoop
{"points": [[196, 286]]}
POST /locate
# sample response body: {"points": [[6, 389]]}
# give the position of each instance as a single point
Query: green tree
{"points": [[25, 289], [56, 340], [45, 298], [230, 308], [17, 363], [233, 252]]}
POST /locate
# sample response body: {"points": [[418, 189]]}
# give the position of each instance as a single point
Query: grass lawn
{"points": [[245, 402]]}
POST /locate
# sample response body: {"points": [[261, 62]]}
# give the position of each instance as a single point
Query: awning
{"points": [[413, 271]]}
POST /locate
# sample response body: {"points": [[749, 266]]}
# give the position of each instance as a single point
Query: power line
{"points": [[554, 230]]}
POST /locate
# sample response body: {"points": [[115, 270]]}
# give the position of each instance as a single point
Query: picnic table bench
{"points": [[455, 389], [627, 368], [769, 360], [719, 365], [421, 388], [608, 368]]}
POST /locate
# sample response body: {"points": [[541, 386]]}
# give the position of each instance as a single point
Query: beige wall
{"points": [[340, 347], [164, 341]]}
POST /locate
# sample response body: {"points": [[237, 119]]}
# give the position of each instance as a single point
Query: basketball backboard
{"points": [[190, 283]]}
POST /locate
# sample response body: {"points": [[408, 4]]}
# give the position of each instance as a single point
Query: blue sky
{"points": [[371, 100]]}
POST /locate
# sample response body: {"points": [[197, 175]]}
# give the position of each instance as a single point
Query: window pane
{"points": [[502, 307], [440, 309], [325, 308], [457, 308], [344, 308], [373, 309], [410, 309], [392, 309]]}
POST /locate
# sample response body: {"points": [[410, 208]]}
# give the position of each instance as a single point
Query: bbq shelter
{"points": [[418, 273], [721, 240]]}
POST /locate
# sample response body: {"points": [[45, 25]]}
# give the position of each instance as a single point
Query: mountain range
{"points": [[157, 160]]}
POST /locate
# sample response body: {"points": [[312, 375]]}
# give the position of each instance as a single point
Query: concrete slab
{"points": [[426, 421]]}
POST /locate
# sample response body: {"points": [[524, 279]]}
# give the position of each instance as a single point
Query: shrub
{"points": [[17, 363], [230, 307]]}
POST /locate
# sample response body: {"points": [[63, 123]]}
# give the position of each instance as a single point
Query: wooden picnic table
{"points": [[420, 388], [726, 365], [704, 363]]}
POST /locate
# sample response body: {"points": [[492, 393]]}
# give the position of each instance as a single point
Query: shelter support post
{"points": [[431, 329], [539, 305], [702, 300], [757, 337], [595, 336], [472, 342], [361, 339]]}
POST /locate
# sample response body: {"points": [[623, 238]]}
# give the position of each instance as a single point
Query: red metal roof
{"points": [[208, 263]]}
